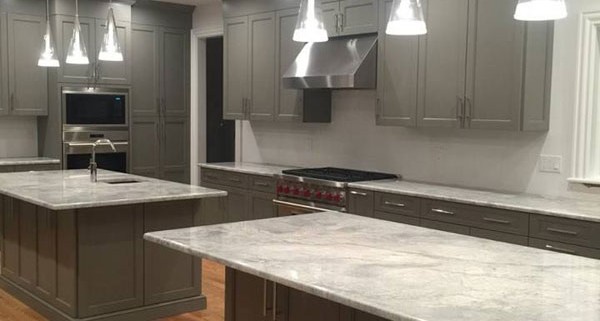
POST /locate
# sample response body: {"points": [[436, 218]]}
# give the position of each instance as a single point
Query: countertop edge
{"points": [[280, 280], [29, 162], [242, 170]]}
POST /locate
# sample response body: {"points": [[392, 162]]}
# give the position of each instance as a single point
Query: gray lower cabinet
{"points": [[24, 37], [28, 168], [360, 202], [397, 76], [288, 102]]}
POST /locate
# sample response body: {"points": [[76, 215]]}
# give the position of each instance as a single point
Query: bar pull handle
{"points": [[460, 109], [358, 193], [274, 301], [559, 249], [235, 180], [561, 231], [12, 101], [337, 22], [441, 211], [495, 220], [394, 204], [261, 184], [469, 110], [341, 20], [265, 298]]}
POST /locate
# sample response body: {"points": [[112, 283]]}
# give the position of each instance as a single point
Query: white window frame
{"points": [[585, 162]]}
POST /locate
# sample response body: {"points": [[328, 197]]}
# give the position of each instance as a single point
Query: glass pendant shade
{"points": [[77, 53], [110, 49], [48, 57], [310, 26], [406, 19], [541, 10]]}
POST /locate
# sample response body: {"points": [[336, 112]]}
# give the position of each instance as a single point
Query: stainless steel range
{"points": [[302, 191]]}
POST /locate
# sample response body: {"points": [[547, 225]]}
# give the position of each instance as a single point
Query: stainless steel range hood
{"points": [[340, 63]]}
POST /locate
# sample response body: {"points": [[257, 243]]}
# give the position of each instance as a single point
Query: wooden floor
{"points": [[213, 286]]}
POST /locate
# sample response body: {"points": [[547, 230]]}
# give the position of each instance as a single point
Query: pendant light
{"points": [[310, 26], [48, 57], [406, 19], [541, 10], [110, 49], [77, 53]]}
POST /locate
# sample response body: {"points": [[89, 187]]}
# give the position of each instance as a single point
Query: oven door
{"points": [[95, 107], [296, 207], [78, 155]]}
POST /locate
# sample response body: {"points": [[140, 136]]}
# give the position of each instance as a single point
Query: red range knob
{"points": [[279, 189], [295, 190], [328, 196], [319, 194], [307, 193], [337, 198], [286, 189]]}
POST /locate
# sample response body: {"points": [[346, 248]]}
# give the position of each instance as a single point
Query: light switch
{"points": [[550, 164]]}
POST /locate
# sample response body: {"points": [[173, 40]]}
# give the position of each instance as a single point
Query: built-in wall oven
{"points": [[89, 114]]}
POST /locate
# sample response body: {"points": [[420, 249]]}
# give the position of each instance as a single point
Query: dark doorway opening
{"points": [[220, 140]]}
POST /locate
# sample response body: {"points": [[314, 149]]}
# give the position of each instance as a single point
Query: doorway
{"points": [[220, 133]]}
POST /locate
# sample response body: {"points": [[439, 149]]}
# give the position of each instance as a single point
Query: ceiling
{"points": [[191, 2]]}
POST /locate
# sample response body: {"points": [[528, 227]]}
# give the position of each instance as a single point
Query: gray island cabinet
{"points": [[74, 250]]}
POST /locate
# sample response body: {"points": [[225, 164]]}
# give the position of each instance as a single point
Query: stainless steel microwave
{"points": [[95, 107]]}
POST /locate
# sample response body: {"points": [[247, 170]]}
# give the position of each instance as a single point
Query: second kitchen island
{"points": [[74, 250], [334, 266]]}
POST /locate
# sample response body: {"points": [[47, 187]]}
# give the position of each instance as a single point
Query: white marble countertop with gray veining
{"points": [[72, 189], [554, 206], [401, 272], [248, 168], [15, 161]]}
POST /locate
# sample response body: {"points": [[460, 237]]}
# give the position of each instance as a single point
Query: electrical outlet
{"points": [[550, 164]]}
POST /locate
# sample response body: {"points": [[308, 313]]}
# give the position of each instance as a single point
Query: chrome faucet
{"points": [[93, 165]]}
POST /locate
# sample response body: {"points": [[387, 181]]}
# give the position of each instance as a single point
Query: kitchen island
{"points": [[74, 250], [333, 266]]}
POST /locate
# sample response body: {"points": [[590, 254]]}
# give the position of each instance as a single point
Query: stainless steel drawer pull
{"points": [[440, 211], [394, 204], [210, 176], [235, 180], [265, 298], [261, 184], [358, 193], [560, 231], [495, 220], [559, 249]]}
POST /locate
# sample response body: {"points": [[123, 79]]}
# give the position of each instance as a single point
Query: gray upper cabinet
{"points": [[115, 72], [175, 71], [24, 38], [261, 102], [145, 98], [3, 65], [398, 71], [288, 102], [70, 73], [443, 64], [350, 17], [235, 87], [331, 12], [495, 66]]}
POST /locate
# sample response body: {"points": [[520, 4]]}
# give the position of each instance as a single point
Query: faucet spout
{"points": [[93, 165]]}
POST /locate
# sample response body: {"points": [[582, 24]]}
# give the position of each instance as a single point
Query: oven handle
{"points": [[306, 207], [92, 144]]}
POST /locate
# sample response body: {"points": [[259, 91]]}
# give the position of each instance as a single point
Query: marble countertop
{"points": [[15, 161], [401, 272], [72, 189], [248, 168], [554, 206]]}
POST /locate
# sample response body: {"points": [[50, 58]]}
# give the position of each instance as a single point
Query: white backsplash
{"points": [[18, 136]]}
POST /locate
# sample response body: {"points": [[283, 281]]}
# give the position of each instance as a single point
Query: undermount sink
{"points": [[121, 181]]}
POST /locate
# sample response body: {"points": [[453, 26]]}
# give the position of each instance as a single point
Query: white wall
{"points": [[481, 159], [18, 136]]}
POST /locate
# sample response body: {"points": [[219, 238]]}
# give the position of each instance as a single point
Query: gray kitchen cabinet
{"points": [[261, 99], [237, 201], [397, 76], [115, 72], [24, 37], [566, 248], [4, 96], [331, 11], [145, 96], [175, 71], [442, 64], [146, 151], [69, 73], [351, 17], [261, 205], [302, 306], [288, 102], [249, 298], [360, 202], [175, 143], [235, 69]]}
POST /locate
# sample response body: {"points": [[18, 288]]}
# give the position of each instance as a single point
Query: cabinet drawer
{"points": [[397, 204], [565, 230], [500, 236], [360, 202], [7, 169], [500, 220], [448, 227], [263, 184], [447, 212], [398, 218], [227, 178], [564, 248]]}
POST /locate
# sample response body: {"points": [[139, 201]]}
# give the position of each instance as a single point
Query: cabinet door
{"points": [[10, 241], [442, 64], [301, 306], [494, 65], [262, 69], [175, 72], [46, 254], [363, 316], [235, 68], [288, 102], [360, 202], [145, 146], [28, 83], [75, 73], [175, 149], [3, 65], [397, 83], [261, 205], [27, 216], [359, 16], [331, 11], [248, 298], [237, 205], [115, 72], [145, 91]]}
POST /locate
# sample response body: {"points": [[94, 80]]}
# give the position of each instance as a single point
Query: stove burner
{"points": [[339, 174]]}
